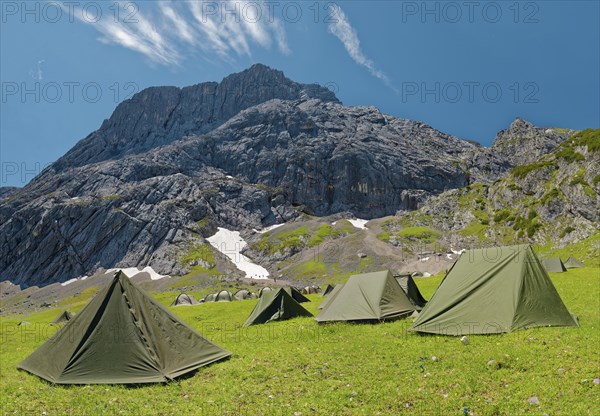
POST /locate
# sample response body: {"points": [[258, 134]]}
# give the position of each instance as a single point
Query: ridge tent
{"points": [[553, 264], [63, 317], [409, 287], [183, 299], [295, 293], [493, 291], [368, 297], [331, 295], [327, 290], [573, 263], [223, 296], [264, 290], [275, 306], [122, 336]]}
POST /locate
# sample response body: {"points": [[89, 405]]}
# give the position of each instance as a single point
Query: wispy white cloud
{"points": [[167, 30], [182, 29], [341, 28]]}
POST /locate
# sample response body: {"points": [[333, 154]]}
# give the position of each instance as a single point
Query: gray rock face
{"points": [[160, 115], [172, 164], [553, 200], [522, 143], [6, 191]]}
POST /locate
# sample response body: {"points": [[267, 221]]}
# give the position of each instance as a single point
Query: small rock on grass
{"points": [[465, 340], [597, 381], [434, 358], [533, 400]]}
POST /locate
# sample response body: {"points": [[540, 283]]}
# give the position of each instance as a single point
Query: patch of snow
{"points": [[267, 229], [358, 223], [132, 271], [153, 274], [75, 198], [449, 256], [229, 176], [68, 282], [424, 259], [231, 244], [84, 277], [459, 252], [129, 271]]}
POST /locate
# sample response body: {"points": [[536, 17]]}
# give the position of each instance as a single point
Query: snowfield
{"points": [[230, 243], [267, 229], [132, 271], [357, 223]]}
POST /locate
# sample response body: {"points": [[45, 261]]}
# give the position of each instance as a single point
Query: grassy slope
{"points": [[340, 369]]}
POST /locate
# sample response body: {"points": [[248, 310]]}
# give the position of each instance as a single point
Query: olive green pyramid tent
{"points": [[331, 295], [295, 293], [275, 305], [327, 290], [494, 290], [264, 290], [64, 317], [573, 263], [409, 286], [183, 299], [122, 336], [553, 264], [368, 297]]}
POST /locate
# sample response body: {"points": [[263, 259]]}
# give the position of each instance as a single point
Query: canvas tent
{"points": [[295, 293], [62, 318], [211, 297], [122, 336], [309, 290], [573, 263], [331, 295], [494, 290], [409, 286], [224, 296], [244, 294], [368, 297], [553, 264], [275, 306], [327, 290], [263, 291], [183, 299]]}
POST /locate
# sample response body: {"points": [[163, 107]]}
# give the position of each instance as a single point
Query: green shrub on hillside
{"points": [[589, 138], [423, 234], [566, 231], [550, 196], [501, 215], [524, 170]]}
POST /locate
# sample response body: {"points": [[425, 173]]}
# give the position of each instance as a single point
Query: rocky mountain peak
{"points": [[161, 115], [518, 129]]}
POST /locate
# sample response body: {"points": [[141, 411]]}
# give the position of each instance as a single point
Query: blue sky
{"points": [[466, 68]]}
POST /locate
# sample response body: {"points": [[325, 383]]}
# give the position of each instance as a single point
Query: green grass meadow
{"points": [[298, 367]]}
